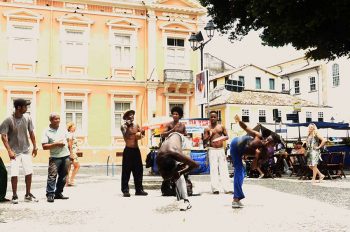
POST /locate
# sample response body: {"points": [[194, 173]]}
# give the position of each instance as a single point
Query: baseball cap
{"points": [[21, 102]]}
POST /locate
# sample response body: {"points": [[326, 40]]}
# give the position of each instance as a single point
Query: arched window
{"points": [[335, 74]]}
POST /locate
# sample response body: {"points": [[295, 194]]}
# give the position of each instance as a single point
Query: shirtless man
{"points": [[252, 144], [173, 164], [216, 153], [175, 125], [131, 155]]}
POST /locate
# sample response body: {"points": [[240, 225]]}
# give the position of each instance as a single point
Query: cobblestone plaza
{"points": [[96, 204]]}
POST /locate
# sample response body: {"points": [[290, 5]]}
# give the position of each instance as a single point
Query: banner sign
{"points": [[195, 125], [201, 95]]}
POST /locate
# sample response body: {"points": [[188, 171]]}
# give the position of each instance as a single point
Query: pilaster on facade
{"points": [[152, 100], [152, 46]]}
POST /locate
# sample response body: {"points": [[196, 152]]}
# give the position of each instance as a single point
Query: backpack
{"points": [[168, 187]]}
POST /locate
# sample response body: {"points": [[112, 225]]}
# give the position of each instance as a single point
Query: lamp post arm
{"points": [[201, 45]]}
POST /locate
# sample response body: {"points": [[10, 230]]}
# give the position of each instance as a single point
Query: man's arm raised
{"points": [[246, 128]]}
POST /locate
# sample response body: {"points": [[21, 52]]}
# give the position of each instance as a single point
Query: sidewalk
{"points": [[96, 204]]}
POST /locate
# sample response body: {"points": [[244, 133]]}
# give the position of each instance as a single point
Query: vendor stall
{"points": [[193, 143]]}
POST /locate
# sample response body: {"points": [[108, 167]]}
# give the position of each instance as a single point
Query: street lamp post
{"points": [[197, 42]]}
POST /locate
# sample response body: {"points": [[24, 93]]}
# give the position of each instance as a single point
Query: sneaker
{"points": [[237, 204], [15, 199], [60, 196], [261, 176], [141, 193], [185, 205], [216, 192], [30, 198], [126, 194], [50, 198]]}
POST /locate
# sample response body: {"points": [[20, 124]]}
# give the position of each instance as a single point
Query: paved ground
{"points": [[96, 204]]}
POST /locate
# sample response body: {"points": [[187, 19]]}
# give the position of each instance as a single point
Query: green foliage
{"points": [[322, 27]]}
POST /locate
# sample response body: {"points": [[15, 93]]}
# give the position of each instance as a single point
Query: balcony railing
{"points": [[178, 75]]}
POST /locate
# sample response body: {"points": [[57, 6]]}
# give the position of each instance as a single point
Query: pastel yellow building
{"points": [[92, 60]]}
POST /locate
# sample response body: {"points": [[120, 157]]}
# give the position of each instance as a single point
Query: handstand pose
{"points": [[173, 164]]}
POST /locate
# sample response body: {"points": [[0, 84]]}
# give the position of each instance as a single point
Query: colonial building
{"points": [[321, 82], [263, 92], [91, 61]]}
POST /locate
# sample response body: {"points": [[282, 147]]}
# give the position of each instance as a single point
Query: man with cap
{"points": [[14, 134], [131, 155]]}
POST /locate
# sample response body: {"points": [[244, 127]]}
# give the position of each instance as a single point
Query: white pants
{"points": [[181, 188], [25, 160], [218, 164]]}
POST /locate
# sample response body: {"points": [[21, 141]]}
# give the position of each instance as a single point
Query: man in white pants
{"points": [[14, 134], [173, 164], [214, 135]]}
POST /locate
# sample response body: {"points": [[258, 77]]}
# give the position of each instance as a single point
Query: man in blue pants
{"points": [[251, 144]]}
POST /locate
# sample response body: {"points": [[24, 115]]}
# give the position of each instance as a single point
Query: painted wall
{"points": [[99, 86]]}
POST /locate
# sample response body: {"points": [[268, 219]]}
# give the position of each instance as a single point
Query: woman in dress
{"points": [[313, 151], [71, 177]]}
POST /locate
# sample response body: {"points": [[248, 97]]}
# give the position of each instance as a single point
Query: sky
{"points": [[249, 51]]}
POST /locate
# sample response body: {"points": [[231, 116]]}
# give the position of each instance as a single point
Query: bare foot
{"points": [[322, 177]]}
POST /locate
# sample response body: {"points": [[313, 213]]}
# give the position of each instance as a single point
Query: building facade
{"points": [[92, 61], [321, 82], [263, 92]]}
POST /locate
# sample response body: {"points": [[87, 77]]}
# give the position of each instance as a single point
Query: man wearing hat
{"points": [[14, 134], [131, 155]]}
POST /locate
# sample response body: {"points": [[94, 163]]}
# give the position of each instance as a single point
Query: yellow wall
{"points": [[49, 80]]}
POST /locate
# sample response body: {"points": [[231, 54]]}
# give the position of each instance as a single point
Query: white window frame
{"points": [[186, 64], [312, 81], [79, 70], [320, 115], [296, 87], [83, 96], [84, 40], [116, 132], [245, 113], [256, 79], [123, 26], [335, 75], [133, 48], [14, 34], [262, 113], [74, 112], [30, 95], [308, 114], [271, 80]]}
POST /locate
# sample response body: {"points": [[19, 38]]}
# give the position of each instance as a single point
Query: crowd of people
{"points": [[172, 161]]}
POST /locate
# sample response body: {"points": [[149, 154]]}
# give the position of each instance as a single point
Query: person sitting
{"points": [[298, 149]]}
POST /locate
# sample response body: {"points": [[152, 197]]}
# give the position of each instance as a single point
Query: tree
{"points": [[322, 27]]}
